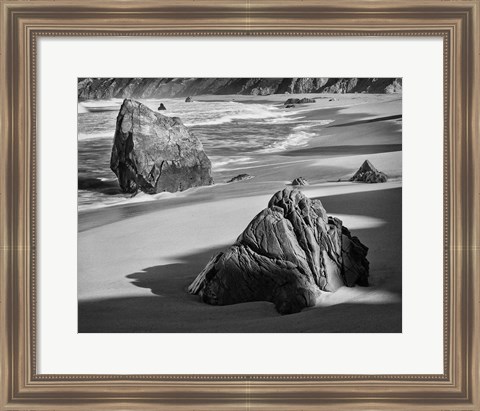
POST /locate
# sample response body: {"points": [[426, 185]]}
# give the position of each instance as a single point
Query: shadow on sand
{"points": [[366, 121], [171, 309], [98, 185], [344, 150]]}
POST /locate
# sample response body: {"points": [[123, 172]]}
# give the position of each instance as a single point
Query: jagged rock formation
{"points": [[161, 107], [299, 181], [240, 177], [106, 88], [363, 85], [299, 101], [394, 87], [367, 173], [289, 254], [188, 99], [154, 153]]}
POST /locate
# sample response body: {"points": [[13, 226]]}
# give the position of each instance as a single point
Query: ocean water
{"points": [[234, 134]]}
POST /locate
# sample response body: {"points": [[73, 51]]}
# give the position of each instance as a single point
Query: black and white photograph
{"points": [[239, 205]]}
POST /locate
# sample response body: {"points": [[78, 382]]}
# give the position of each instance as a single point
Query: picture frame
{"points": [[24, 22]]}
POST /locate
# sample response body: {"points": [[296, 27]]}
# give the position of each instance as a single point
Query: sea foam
{"points": [[295, 139]]}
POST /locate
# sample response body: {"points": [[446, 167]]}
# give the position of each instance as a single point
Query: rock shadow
{"points": [[384, 242], [171, 309], [98, 185], [172, 280]]}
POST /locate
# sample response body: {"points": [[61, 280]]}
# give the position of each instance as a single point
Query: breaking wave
{"points": [[253, 131], [295, 139]]}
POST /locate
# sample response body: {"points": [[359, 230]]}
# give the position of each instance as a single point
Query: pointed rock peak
{"points": [[367, 166], [128, 102], [128, 105], [287, 195], [293, 203], [288, 199], [367, 173]]}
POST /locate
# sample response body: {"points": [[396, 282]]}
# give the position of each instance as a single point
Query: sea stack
{"points": [[161, 107], [155, 153], [367, 173], [289, 254]]}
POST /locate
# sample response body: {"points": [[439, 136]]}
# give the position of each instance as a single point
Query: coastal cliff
{"points": [[106, 88]]}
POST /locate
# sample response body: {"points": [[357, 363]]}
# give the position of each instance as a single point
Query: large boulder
{"points": [[289, 254], [161, 107], [154, 153], [188, 99], [367, 173]]}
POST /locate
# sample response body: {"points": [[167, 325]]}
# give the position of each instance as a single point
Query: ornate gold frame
{"points": [[23, 22]]}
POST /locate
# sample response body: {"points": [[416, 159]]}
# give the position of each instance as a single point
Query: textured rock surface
{"points": [[161, 107], [188, 99], [289, 105], [240, 177], [299, 101], [154, 153], [299, 181], [106, 88], [367, 173], [289, 254]]}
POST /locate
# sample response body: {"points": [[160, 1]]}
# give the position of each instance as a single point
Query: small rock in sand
{"points": [[299, 101], [299, 181], [240, 177]]}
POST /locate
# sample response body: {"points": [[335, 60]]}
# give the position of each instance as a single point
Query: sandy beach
{"points": [[136, 257]]}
